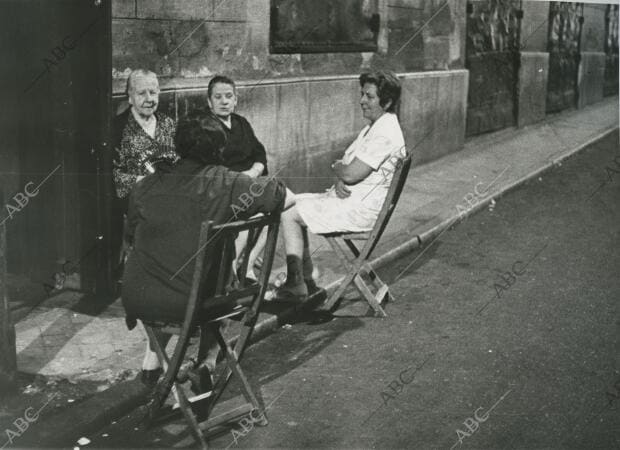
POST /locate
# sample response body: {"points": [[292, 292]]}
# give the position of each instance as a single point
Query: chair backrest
{"points": [[396, 187], [216, 246]]}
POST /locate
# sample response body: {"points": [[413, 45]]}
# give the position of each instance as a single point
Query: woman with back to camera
{"points": [[166, 210]]}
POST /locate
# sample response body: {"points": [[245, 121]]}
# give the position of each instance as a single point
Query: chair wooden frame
{"points": [[214, 247], [357, 265]]}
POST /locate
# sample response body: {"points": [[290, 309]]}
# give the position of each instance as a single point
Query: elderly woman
{"points": [[363, 177], [141, 133]]}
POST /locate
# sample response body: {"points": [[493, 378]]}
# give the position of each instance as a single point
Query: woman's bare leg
{"points": [[240, 242], [255, 253], [293, 231], [150, 361]]}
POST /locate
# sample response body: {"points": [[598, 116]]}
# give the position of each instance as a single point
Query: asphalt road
{"points": [[505, 334]]}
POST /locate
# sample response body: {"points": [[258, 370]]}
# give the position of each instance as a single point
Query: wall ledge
{"points": [[535, 54], [199, 84]]}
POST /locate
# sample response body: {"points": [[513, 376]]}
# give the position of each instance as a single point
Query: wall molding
{"points": [[200, 84]]}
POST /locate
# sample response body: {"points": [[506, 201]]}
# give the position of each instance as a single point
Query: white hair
{"points": [[136, 73]]}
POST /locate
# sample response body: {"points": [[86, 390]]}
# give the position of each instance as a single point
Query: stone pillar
{"points": [[591, 78], [532, 88], [533, 70]]}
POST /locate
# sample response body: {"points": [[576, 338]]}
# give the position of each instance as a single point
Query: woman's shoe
{"points": [[289, 293], [317, 293], [149, 377], [201, 382], [250, 279]]}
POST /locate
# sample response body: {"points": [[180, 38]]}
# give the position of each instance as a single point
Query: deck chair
{"points": [[203, 315], [355, 260]]}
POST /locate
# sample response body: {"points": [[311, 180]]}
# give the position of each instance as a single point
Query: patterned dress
{"points": [[135, 149]]}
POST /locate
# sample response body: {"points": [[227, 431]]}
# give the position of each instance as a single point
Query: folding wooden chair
{"points": [[215, 247], [357, 265]]}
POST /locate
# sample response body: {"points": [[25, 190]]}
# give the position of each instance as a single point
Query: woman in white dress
{"points": [[364, 174]]}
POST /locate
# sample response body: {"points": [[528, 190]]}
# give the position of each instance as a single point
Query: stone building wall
{"points": [[197, 38], [304, 107], [291, 99]]}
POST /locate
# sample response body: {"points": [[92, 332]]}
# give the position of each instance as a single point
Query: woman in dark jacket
{"points": [[166, 210]]}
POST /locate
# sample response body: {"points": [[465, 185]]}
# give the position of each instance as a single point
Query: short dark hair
{"points": [[220, 79], [388, 87], [201, 137]]}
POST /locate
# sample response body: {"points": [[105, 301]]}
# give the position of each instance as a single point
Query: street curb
{"points": [[87, 417], [423, 238]]}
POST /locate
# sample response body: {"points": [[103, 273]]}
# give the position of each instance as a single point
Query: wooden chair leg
{"points": [[165, 385], [218, 389], [233, 364], [248, 322], [369, 296], [329, 303], [382, 290], [354, 266], [190, 417], [344, 284], [339, 249], [379, 284], [352, 247], [175, 387]]}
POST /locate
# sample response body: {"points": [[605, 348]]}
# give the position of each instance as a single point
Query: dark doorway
{"points": [[492, 58], [564, 47], [55, 120]]}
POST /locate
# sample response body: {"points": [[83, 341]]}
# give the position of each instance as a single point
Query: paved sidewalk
{"points": [[60, 339]]}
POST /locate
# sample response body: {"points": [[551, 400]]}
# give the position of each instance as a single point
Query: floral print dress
{"points": [[136, 149]]}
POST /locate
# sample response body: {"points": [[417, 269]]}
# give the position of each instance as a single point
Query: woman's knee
{"points": [[292, 215]]}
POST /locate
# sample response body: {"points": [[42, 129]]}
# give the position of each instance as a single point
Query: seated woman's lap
{"points": [[325, 213]]}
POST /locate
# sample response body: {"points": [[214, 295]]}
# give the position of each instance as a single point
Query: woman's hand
{"points": [[255, 171], [342, 191], [250, 173]]}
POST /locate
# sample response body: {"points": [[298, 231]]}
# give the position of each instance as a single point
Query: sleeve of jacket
{"points": [[133, 216], [258, 149], [251, 196]]}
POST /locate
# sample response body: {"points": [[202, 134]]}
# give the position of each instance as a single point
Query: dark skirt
{"points": [[149, 299], [149, 295]]}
